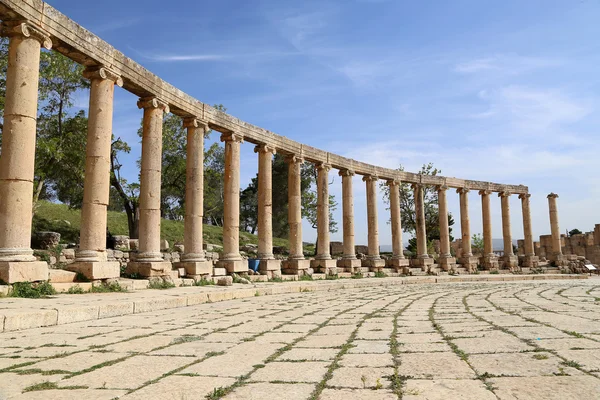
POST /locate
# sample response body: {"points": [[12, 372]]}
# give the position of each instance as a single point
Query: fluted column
{"points": [[466, 260], [295, 264], [193, 259], [446, 261], [265, 210], [373, 259], [323, 261], [17, 262], [509, 260], [422, 259], [348, 261], [556, 243], [489, 259], [231, 258], [91, 259], [149, 259], [530, 260]]}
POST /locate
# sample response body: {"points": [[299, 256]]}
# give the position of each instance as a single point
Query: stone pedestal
{"points": [[148, 269], [324, 266], [94, 270], [422, 262], [509, 262], [469, 262], [447, 263], [233, 266], [295, 266], [530, 261], [398, 264], [23, 271], [349, 264], [490, 262], [269, 265], [196, 267], [374, 264]]}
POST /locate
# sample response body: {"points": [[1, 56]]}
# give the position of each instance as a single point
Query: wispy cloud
{"points": [[263, 56], [505, 63]]}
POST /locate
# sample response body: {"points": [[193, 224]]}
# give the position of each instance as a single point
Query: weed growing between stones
{"points": [[380, 274], [32, 290], [203, 282], [76, 290], [107, 288], [357, 275], [305, 278], [160, 284]]}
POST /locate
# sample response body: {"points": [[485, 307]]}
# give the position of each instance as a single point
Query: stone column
{"points": [[91, 259], [348, 262], [466, 260], [556, 242], [323, 261], [530, 260], [488, 259], [149, 261], [268, 264], [398, 262], [446, 261], [373, 260], [422, 260], [231, 259], [193, 260], [509, 260], [295, 264], [17, 263]]}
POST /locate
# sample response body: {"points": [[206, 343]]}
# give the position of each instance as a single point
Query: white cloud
{"points": [[505, 63]]}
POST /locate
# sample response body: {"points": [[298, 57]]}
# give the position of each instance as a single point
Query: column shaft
{"points": [[556, 245], [348, 214], [396, 220], [231, 201], [444, 228], [487, 222], [527, 233], [323, 212], [465, 227], [420, 220], [506, 234], [295, 207], [372, 223], [265, 201]]}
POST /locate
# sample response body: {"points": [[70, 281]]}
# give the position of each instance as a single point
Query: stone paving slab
{"points": [[369, 342]]}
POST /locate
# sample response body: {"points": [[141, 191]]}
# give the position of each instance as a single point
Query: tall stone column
{"points": [[295, 264], [17, 263], [149, 261], [193, 260], [348, 262], [422, 260], [509, 260], [556, 242], [91, 259], [466, 260], [530, 260], [446, 261], [231, 259], [323, 261], [373, 260], [268, 264], [397, 262], [489, 259]]}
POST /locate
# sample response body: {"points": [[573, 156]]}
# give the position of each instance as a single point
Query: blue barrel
{"points": [[253, 264]]}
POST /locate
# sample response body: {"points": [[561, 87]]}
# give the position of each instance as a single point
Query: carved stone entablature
{"points": [[153, 102], [99, 72], [26, 29]]}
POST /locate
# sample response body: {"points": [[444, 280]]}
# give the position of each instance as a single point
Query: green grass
{"points": [[32, 290], [60, 218]]}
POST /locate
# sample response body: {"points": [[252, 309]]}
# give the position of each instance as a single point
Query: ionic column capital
{"points": [[523, 196], [323, 166], [485, 192], [153, 102], [26, 29], [552, 196], [293, 159], [441, 188], [232, 137], [100, 72], [505, 193], [462, 190], [193, 122], [346, 172], [416, 186], [393, 182], [264, 148], [370, 178]]}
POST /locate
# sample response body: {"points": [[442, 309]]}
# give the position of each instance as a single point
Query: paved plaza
{"points": [[480, 340]]}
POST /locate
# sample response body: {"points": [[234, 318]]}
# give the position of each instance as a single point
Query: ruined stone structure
{"points": [[31, 24]]}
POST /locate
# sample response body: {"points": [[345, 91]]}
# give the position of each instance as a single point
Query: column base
{"points": [[447, 263], [295, 266], [23, 271], [530, 261], [422, 262], [509, 262], [490, 262], [328, 267], [149, 268], [94, 270], [269, 265], [469, 262], [233, 266], [195, 267], [556, 257], [351, 265], [398, 264], [374, 265]]}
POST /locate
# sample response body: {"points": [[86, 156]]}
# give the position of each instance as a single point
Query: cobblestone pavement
{"points": [[477, 341]]}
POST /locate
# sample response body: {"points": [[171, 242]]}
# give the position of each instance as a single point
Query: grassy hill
{"points": [[60, 218]]}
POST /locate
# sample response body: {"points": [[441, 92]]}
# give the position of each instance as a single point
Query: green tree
{"points": [[127, 193], [249, 207], [477, 244], [214, 170], [575, 232]]}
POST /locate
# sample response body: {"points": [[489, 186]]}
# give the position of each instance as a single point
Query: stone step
{"points": [[259, 278], [63, 287], [61, 276]]}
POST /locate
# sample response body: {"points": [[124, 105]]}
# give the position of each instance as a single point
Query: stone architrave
{"points": [[422, 259], [268, 263], [296, 263], [397, 262], [557, 254], [446, 261], [530, 260], [489, 260], [373, 260], [90, 258], [467, 260], [17, 263], [231, 259], [348, 262], [323, 261], [193, 260], [509, 259], [149, 261]]}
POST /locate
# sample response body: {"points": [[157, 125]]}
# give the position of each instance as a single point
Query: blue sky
{"points": [[505, 91]]}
